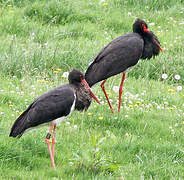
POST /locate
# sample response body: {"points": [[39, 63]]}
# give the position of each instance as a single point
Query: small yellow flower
{"points": [[41, 80], [105, 3], [100, 117], [58, 69], [183, 122], [171, 90], [89, 114], [171, 108], [10, 105], [20, 113], [55, 72], [108, 93], [150, 106], [138, 102], [9, 5], [130, 106], [136, 105], [51, 83]]}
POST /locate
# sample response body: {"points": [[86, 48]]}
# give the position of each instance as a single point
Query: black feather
{"points": [[54, 104], [46, 108], [122, 53]]}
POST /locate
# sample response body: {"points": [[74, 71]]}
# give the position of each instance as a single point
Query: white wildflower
{"points": [[164, 76], [75, 126], [102, 1], [115, 89], [181, 23], [129, 13], [70, 163], [151, 24], [67, 123], [177, 77], [96, 149], [65, 74], [179, 88], [176, 125], [172, 131]]}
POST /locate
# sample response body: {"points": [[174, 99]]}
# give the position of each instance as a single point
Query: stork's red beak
{"points": [[158, 45], [146, 30], [89, 89]]}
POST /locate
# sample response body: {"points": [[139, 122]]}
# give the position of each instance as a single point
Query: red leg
{"points": [[53, 141], [103, 88], [47, 140], [120, 91]]}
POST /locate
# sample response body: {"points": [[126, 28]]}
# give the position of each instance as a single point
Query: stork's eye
{"points": [[144, 27]]}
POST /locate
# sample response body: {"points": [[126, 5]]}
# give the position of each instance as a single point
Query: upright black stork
{"points": [[122, 53], [54, 106]]}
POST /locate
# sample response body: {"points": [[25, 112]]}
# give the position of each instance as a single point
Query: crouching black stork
{"points": [[54, 106], [122, 53]]}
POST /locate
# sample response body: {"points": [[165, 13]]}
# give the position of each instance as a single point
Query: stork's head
{"points": [[76, 77], [141, 28]]}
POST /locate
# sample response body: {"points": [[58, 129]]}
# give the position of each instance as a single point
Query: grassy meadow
{"points": [[41, 39]]}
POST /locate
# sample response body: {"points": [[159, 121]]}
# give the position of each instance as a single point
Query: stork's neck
{"points": [[151, 48], [83, 98]]}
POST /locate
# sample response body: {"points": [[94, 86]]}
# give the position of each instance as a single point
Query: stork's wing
{"points": [[47, 107], [120, 54]]}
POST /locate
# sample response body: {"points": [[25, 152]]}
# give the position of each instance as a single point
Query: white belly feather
{"points": [[61, 119]]}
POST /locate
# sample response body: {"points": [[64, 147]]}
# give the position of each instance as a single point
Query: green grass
{"points": [[144, 141]]}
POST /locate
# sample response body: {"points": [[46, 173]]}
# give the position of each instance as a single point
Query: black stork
{"points": [[54, 106], [122, 53]]}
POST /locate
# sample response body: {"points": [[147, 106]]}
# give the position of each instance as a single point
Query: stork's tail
{"points": [[19, 125]]}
